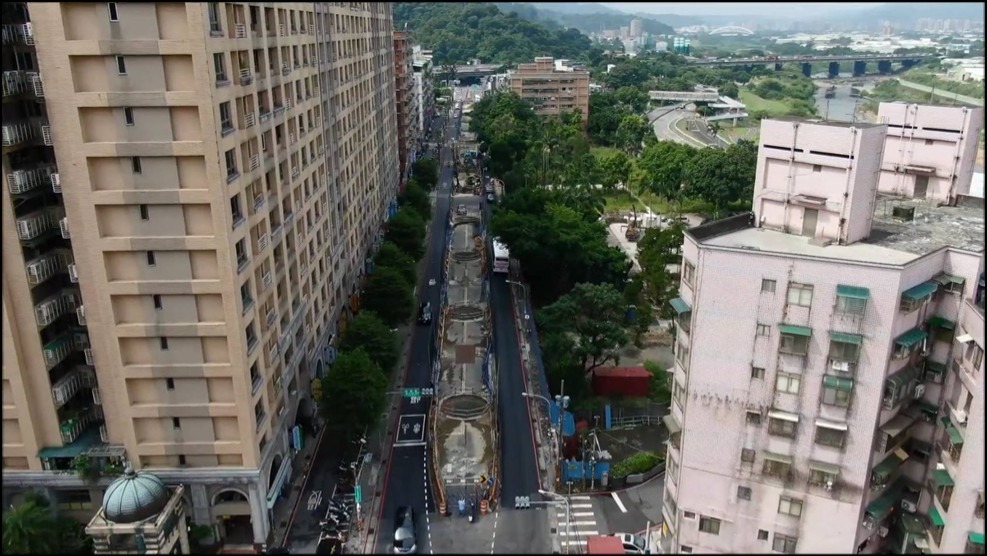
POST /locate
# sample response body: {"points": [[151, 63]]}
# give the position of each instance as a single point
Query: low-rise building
{"points": [[552, 92]]}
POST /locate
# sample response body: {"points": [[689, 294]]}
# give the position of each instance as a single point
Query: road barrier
{"points": [[484, 508]]}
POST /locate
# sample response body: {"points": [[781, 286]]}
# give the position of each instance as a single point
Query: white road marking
{"points": [[579, 497], [493, 541], [587, 533], [582, 523], [580, 505], [582, 514], [570, 543], [619, 503]]}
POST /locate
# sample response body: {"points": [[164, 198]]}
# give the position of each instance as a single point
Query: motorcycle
{"points": [[472, 512]]}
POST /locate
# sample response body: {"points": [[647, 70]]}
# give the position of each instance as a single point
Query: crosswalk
{"points": [[582, 522]]}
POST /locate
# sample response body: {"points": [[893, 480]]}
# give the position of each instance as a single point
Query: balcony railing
{"points": [[66, 387], [42, 268], [272, 317], [63, 225], [19, 33], [23, 181], [267, 280], [39, 222], [58, 349], [246, 76], [47, 311], [73, 427]]}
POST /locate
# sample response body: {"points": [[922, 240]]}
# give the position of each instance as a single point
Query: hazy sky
{"points": [[740, 8]]}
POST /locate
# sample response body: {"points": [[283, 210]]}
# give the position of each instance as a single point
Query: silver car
{"points": [[404, 531]]}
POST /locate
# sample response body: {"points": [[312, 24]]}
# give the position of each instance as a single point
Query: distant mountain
{"points": [[909, 12], [543, 12], [576, 8]]}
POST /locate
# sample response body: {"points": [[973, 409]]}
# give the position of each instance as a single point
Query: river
{"points": [[841, 107]]}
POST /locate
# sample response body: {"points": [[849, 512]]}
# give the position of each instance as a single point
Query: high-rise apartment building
{"points": [[552, 92], [199, 184], [424, 94], [406, 101], [637, 26], [828, 386], [930, 151]]}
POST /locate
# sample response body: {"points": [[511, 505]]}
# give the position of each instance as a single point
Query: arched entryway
{"points": [[231, 513]]}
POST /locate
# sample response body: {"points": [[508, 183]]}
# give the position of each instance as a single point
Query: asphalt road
{"points": [[403, 478], [666, 130]]}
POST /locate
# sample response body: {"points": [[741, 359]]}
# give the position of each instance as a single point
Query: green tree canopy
{"points": [[663, 166], [723, 177], [31, 527], [389, 295], [391, 256], [355, 390], [426, 172], [632, 132], [615, 167], [656, 250], [406, 229], [417, 198], [371, 334]]}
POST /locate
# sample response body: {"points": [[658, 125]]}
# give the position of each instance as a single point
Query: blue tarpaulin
{"points": [[568, 422]]}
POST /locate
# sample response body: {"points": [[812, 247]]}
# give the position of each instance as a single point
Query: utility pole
{"points": [[562, 401]]}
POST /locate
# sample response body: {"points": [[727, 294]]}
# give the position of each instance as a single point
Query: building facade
{"points": [[828, 380], [202, 183], [930, 152], [406, 101], [552, 92], [424, 94]]}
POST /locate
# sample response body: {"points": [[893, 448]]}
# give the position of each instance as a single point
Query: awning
{"points": [[828, 468], [855, 292], [902, 377], [976, 538], [935, 517], [780, 458], [846, 338], [882, 505], [679, 305], [964, 338], [910, 338], [795, 330], [934, 366], [784, 416], [945, 421], [924, 289], [831, 425], [671, 424], [890, 464], [830, 381], [897, 424], [941, 478], [927, 407], [955, 438], [85, 441], [941, 322], [912, 524], [944, 279]]}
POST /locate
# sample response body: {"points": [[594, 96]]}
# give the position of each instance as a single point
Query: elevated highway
{"points": [[479, 70], [811, 58]]}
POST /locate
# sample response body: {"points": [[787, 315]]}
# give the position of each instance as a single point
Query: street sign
{"points": [[358, 494], [411, 430], [412, 392]]}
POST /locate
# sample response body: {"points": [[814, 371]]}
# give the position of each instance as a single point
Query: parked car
{"points": [[404, 531], [633, 544], [425, 313]]}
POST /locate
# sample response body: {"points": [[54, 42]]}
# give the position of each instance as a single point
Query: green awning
{"points": [[945, 421], [881, 506], [846, 338], [679, 305], [934, 366], [855, 292], [924, 289], [780, 458], [944, 279], [902, 377], [935, 516], [912, 524], [941, 478], [795, 330], [831, 381], [941, 322], [927, 407], [910, 338], [955, 438], [85, 441], [976, 538], [828, 468], [884, 469]]}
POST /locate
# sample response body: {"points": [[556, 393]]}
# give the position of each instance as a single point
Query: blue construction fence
{"points": [[574, 470]]}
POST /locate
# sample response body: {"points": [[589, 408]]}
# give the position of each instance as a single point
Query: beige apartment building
{"points": [[552, 92], [406, 102], [828, 386], [190, 192]]}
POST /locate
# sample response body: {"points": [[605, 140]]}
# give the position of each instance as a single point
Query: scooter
{"points": [[340, 516], [472, 512]]}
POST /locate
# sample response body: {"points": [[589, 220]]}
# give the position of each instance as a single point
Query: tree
{"points": [[615, 167], [31, 527], [644, 313], [368, 332], [355, 390], [631, 132], [722, 176], [658, 249], [407, 230], [417, 198], [390, 256], [592, 317], [663, 166], [389, 295], [426, 172], [659, 391]]}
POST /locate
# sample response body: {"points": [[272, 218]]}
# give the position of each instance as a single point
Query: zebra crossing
{"points": [[582, 521]]}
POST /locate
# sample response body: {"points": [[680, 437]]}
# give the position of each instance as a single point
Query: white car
{"points": [[633, 544]]}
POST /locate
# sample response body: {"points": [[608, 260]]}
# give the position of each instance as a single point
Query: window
{"points": [[763, 330], [219, 62], [75, 499], [817, 168], [112, 8], [688, 272], [743, 493], [790, 506], [709, 525], [762, 535], [782, 427], [181, 459], [757, 373], [121, 65], [157, 301], [689, 515], [128, 115], [788, 383], [235, 211], [176, 423], [225, 117], [844, 347], [214, 20], [230, 164], [850, 305], [685, 549], [822, 474], [930, 141], [135, 164], [784, 543], [753, 418], [150, 259], [775, 467], [241, 252], [836, 391], [255, 377], [833, 438], [143, 212], [251, 336], [163, 342], [794, 342], [799, 294], [768, 286], [747, 455], [170, 383]]}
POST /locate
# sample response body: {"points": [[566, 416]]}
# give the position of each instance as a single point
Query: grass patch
{"points": [[620, 200], [757, 104]]}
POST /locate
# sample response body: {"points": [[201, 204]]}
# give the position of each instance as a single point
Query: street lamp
{"points": [[568, 519], [524, 288]]}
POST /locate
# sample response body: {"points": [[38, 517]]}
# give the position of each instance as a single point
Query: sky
{"points": [[809, 9]]}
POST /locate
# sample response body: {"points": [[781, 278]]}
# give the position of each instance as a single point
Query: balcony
{"points": [[48, 311], [40, 269], [39, 222], [25, 181], [249, 119], [63, 225], [267, 280], [65, 388], [73, 426], [18, 33], [262, 242], [246, 77]]}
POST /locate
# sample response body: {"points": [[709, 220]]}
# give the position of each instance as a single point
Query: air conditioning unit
{"points": [[919, 391], [842, 366], [103, 435], [882, 532], [909, 506], [828, 486]]}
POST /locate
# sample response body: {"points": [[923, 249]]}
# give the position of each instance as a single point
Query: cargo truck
{"points": [[604, 545]]}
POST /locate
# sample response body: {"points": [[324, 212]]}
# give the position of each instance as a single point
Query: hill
{"points": [[576, 8], [907, 13], [459, 32], [576, 16]]}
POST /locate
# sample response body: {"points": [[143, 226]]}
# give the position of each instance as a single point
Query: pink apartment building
{"points": [[828, 390]]}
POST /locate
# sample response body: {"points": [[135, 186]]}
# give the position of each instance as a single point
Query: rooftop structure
{"points": [[552, 92], [140, 515]]}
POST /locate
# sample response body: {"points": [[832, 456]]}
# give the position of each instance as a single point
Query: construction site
{"points": [[465, 444]]}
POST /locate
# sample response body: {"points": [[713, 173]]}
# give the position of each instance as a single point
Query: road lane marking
{"points": [[580, 497], [570, 543], [619, 503], [581, 523], [587, 533], [582, 514], [580, 505]]}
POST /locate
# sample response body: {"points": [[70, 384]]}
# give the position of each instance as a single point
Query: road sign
{"points": [[358, 494], [412, 392], [411, 429], [314, 500]]}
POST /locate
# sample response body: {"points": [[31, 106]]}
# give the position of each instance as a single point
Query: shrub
{"points": [[641, 462]]}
